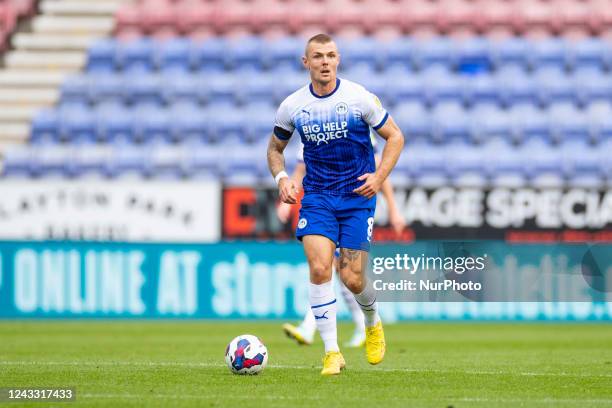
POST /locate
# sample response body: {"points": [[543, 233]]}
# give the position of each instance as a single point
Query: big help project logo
{"points": [[325, 132]]}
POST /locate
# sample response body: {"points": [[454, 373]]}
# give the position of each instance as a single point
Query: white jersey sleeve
{"points": [[283, 124], [373, 112]]}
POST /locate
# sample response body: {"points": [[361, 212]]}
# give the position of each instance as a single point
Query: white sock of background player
{"points": [[308, 327]]}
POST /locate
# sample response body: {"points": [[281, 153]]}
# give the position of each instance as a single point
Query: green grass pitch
{"points": [[181, 363]]}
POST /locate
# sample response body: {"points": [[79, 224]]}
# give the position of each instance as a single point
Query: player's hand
{"points": [[397, 221], [287, 190], [283, 211], [370, 187]]}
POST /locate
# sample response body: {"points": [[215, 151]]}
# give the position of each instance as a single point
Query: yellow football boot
{"points": [[294, 333], [375, 343], [333, 363]]}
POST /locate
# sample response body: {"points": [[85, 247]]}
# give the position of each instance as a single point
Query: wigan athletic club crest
{"points": [[342, 108]]}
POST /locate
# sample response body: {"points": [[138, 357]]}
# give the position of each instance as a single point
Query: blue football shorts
{"points": [[346, 220]]}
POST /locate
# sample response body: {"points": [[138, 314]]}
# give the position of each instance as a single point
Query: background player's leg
{"points": [[357, 315], [320, 253], [351, 269], [308, 325]]}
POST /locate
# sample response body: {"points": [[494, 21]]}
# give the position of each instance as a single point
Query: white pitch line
{"points": [[315, 397], [293, 367], [200, 396]]}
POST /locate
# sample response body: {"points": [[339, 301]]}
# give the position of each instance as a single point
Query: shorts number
{"points": [[370, 228]]}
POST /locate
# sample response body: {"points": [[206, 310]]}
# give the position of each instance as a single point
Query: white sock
{"points": [[308, 325], [323, 304], [354, 308], [367, 302]]}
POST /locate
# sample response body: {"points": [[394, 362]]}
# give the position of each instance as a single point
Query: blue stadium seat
{"points": [[481, 89], [241, 160], [45, 125], [258, 88], [136, 55], [106, 87], [543, 163], [91, 159], [115, 122], [77, 123], [605, 164], [204, 159], [102, 56], [221, 88], [75, 89], [568, 123], [173, 55], [226, 123], [473, 55], [405, 163], [504, 163], [450, 122], [531, 122], [403, 86], [554, 86], [433, 51], [17, 162], [127, 160], [398, 52], [589, 53], [167, 161], [244, 53], [209, 55], [490, 122], [151, 124], [591, 85], [143, 88], [512, 51], [600, 117], [259, 121], [190, 122], [365, 75], [515, 86], [182, 88], [361, 51], [466, 165], [581, 162], [548, 51], [413, 119], [283, 52], [429, 165], [291, 82], [442, 86], [51, 160]]}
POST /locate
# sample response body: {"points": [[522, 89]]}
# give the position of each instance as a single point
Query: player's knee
{"points": [[319, 273], [355, 283]]}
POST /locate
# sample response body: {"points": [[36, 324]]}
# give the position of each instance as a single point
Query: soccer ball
{"points": [[246, 354]]}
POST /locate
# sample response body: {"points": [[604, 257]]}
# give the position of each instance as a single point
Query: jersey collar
{"points": [[324, 96]]}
